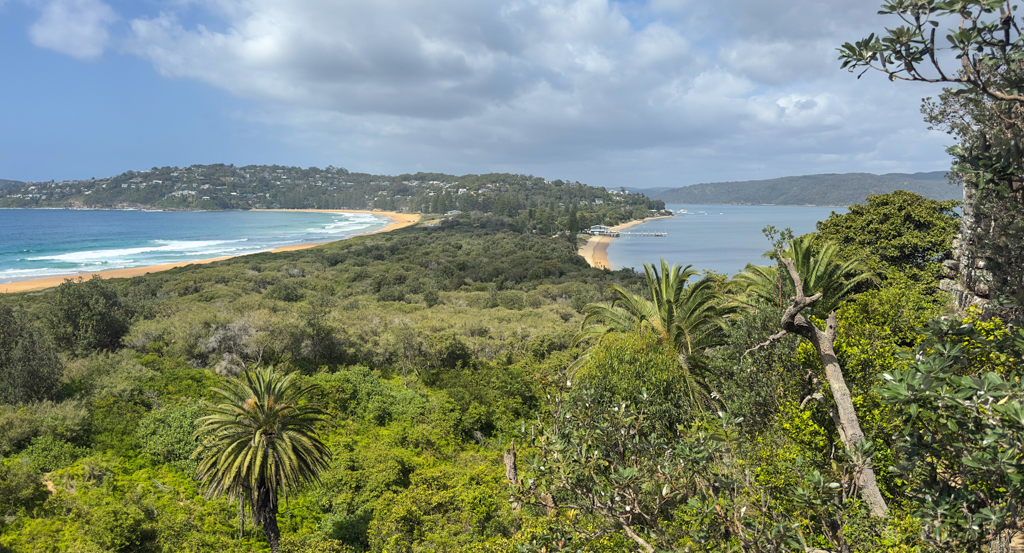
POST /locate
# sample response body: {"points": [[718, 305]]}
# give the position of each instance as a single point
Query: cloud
{"points": [[77, 28], [681, 87]]}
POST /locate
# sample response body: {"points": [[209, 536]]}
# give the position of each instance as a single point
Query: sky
{"points": [[644, 93]]}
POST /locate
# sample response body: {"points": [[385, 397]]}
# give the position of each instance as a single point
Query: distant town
{"points": [[545, 204]]}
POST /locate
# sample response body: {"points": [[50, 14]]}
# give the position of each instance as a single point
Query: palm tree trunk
{"points": [[265, 514]]}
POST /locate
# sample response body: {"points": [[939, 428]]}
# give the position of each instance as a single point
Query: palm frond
{"points": [[689, 318], [261, 436]]}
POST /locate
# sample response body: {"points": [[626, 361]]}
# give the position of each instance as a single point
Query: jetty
{"points": [[630, 233]]}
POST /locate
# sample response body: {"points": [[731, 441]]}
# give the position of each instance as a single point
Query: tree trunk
{"points": [[848, 425], [265, 514]]}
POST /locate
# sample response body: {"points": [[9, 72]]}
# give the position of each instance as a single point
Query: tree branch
{"points": [[771, 340], [633, 536]]}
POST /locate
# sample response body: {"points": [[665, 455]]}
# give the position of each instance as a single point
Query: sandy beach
{"points": [[595, 251], [399, 220]]}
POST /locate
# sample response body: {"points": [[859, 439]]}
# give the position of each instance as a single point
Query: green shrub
{"points": [[29, 367], [65, 421], [116, 526], [431, 297], [20, 485], [88, 315], [287, 291], [512, 299], [167, 435], [392, 293], [47, 454], [114, 423]]}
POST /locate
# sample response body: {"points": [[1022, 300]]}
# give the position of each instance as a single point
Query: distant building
{"points": [[601, 230]]}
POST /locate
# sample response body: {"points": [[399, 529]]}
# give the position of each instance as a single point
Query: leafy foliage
{"points": [[902, 233], [689, 318], [260, 442], [29, 368], [821, 270], [88, 315], [961, 436]]}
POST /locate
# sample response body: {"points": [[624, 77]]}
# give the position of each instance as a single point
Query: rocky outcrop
{"points": [[985, 269]]}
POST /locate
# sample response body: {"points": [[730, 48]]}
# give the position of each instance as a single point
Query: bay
{"points": [[38, 243], [721, 238]]}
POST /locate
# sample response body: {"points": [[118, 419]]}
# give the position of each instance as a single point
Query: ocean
{"points": [[38, 243], [722, 238]]}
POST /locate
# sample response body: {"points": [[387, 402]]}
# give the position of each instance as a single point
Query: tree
{"points": [[821, 270], [834, 285], [900, 231], [261, 441], [985, 112], [688, 318], [985, 40], [29, 367], [573, 224], [962, 435], [88, 315]]}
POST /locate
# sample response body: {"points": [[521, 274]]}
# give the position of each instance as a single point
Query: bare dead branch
{"points": [[771, 340]]}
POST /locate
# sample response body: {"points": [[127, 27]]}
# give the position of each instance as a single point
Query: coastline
{"points": [[399, 220], [595, 251]]}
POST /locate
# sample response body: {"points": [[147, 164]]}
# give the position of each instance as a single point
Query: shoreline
{"points": [[398, 220], [595, 251]]}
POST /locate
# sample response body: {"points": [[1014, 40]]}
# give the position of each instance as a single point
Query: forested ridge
{"points": [[220, 186], [831, 189], [427, 351]]}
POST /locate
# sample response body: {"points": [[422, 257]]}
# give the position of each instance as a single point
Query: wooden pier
{"points": [[657, 234]]}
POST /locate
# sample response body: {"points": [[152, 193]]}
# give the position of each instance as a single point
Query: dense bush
{"points": [[90, 315], [29, 367], [432, 349]]}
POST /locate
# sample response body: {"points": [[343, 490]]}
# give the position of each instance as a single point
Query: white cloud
{"points": [[77, 28], [682, 88]]}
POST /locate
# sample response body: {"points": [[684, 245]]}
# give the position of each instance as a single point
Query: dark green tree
{"points": [[29, 367], [261, 441], [88, 315], [574, 223], [900, 231]]}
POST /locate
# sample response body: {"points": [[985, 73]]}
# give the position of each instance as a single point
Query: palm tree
{"points": [[823, 272], [688, 318], [261, 441]]}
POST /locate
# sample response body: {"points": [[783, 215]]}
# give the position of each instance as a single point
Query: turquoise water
{"points": [[37, 243], [722, 238]]}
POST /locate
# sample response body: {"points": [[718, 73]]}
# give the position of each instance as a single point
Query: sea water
{"points": [[721, 238], [37, 243]]}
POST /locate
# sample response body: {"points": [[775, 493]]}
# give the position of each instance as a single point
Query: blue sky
{"points": [[640, 93]]}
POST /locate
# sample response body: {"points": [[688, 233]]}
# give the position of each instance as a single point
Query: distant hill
{"points": [[827, 190], [10, 183]]}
